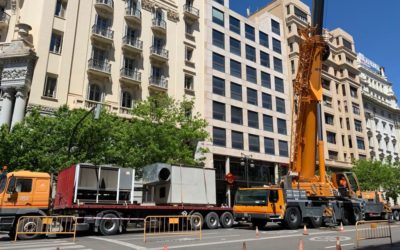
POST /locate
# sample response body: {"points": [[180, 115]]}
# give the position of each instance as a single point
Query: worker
{"points": [[343, 182], [343, 186]]}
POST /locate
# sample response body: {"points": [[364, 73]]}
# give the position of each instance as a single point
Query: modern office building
{"points": [[342, 110], [381, 111]]}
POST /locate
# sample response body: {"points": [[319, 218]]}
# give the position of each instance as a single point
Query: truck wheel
{"points": [[226, 220], [259, 223], [293, 218], [29, 225], [396, 215], [196, 220], [212, 220], [110, 225], [315, 222]]}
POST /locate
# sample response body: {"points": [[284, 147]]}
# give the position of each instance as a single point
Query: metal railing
{"points": [[109, 3], [158, 81], [159, 23], [190, 9], [160, 51], [46, 225], [133, 12], [369, 230], [133, 74], [172, 225], [133, 42], [100, 65], [103, 31], [4, 17]]}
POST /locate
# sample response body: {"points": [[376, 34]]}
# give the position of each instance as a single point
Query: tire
{"points": [[212, 220], [27, 225], [109, 227], [196, 221], [226, 220], [259, 223], [315, 222], [396, 215], [293, 218]]}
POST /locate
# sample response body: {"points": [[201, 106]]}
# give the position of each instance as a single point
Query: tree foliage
{"points": [[160, 131], [374, 175]]}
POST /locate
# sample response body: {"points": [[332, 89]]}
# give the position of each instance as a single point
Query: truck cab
{"points": [[22, 193]]}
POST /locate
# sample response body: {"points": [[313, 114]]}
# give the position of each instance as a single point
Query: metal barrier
{"points": [[33, 225], [368, 230], [172, 225]]}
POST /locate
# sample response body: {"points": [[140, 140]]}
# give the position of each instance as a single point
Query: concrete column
{"points": [[19, 107], [6, 109], [228, 187]]}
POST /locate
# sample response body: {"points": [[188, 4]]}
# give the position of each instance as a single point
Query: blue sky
{"points": [[374, 25]]}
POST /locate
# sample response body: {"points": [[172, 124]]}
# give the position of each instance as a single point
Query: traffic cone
{"points": [[305, 231], [257, 232], [338, 247], [301, 244], [165, 246], [244, 246], [341, 228]]}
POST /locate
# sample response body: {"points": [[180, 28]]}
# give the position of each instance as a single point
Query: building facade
{"points": [[342, 109], [381, 111]]}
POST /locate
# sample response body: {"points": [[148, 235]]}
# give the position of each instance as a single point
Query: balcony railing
{"points": [[159, 23], [161, 82], [132, 74], [191, 10], [100, 65], [103, 31], [160, 51], [133, 42], [133, 13]]}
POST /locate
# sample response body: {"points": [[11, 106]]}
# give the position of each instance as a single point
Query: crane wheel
{"points": [[293, 218], [315, 222]]}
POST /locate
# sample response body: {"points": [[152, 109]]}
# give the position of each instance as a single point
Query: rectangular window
{"points": [[252, 96], [251, 74], [300, 14], [282, 127], [23, 186], [276, 45], [263, 39], [234, 24], [218, 86], [219, 136], [329, 119], [280, 105], [236, 69], [189, 83], [218, 17], [283, 148], [279, 85], [218, 39], [269, 146], [235, 46], [250, 32], [358, 125], [220, 1], [236, 115], [264, 59], [218, 62], [353, 92], [333, 155], [356, 108], [275, 27], [254, 143], [218, 111], [278, 65], [331, 137], [252, 119], [265, 80], [50, 87], [250, 53], [188, 54], [236, 91], [266, 101], [268, 123], [61, 7], [56, 43], [347, 44], [360, 143], [237, 140], [326, 84]]}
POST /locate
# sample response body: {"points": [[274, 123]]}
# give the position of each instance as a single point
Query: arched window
{"points": [[126, 101], [95, 92]]}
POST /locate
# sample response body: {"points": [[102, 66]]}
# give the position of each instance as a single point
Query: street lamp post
{"points": [[246, 161]]}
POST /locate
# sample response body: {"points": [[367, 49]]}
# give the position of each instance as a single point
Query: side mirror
{"points": [[273, 196], [12, 185]]}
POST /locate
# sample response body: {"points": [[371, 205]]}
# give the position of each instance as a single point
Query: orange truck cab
{"points": [[22, 193]]}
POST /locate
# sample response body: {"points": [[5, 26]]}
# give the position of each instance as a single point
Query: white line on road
{"points": [[19, 243], [67, 247], [118, 242], [343, 245], [32, 245], [165, 236]]}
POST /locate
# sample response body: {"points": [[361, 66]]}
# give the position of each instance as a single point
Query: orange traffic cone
{"points": [[257, 232], [301, 244], [165, 246], [341, 228], [305, 231], [244, 246], [338, 247]]}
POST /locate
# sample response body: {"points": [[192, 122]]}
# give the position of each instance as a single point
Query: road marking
{"points": [[118, 242], [36, 242], [343, 245], [32, 245], [165, 236], [330, 238], [67, 247]]}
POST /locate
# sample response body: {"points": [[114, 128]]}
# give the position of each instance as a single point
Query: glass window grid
{"points": [[251, 74], [252, 119], [252, 96], [218, 86], [219, 111]]}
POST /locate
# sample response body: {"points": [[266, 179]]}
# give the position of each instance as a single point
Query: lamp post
{"points": [[246, 161]]}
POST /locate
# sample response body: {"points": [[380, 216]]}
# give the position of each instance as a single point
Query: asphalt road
{"points": [[273, 237]]}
